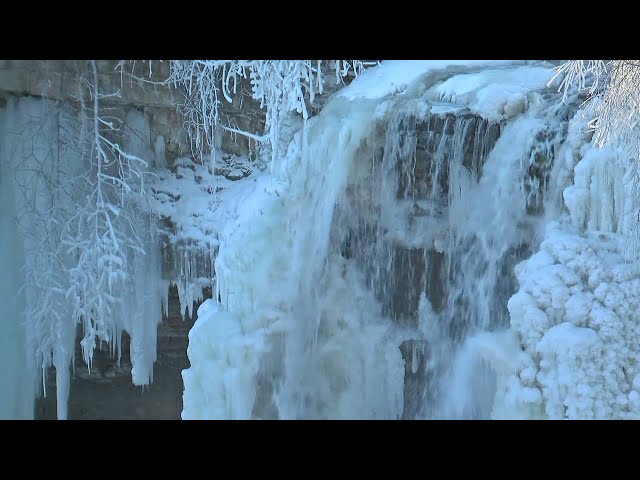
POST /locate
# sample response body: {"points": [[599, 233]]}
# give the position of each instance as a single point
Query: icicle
{"points": [[159, 152], [18, 376]]}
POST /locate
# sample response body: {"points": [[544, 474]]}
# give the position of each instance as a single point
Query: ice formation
{"points": [[265, 277], [17, 372], [196, 200], [574, 316], [44, 183]]}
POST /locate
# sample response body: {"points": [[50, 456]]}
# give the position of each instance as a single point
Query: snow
{"points": [[494, 94], [197, 201], [394, 76]]}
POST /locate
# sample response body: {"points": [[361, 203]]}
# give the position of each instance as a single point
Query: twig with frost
{"points": [[102, 232]]}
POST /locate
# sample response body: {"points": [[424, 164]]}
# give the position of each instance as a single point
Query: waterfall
{"points": [[361, 274]]}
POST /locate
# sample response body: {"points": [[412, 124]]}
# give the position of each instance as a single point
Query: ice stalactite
{"points": [[142, 301], [35, 161], [192, 273], [143, 295], [18, 375]]}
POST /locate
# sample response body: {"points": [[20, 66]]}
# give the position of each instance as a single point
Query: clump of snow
{"points": [[394, 76], [198, 199], [494, 94]]}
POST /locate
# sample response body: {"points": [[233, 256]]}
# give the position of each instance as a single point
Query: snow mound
{"points": [[200, 199], [575, 318], [223, 367], [493, 94], [394, 76]]}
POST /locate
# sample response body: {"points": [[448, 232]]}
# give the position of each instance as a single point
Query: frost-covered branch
{"points": [[100, 233], [581, 74], [281, 86], [614, 98]]}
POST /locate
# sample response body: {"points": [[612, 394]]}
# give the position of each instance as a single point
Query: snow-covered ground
{"points": [[200, 199]]}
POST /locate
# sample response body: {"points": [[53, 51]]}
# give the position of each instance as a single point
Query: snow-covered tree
{"points": [[105, 227], [81, 211], [614, 97]]}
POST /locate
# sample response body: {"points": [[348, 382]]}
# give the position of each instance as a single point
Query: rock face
{"points": [[60, 80], [106, 392]]}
